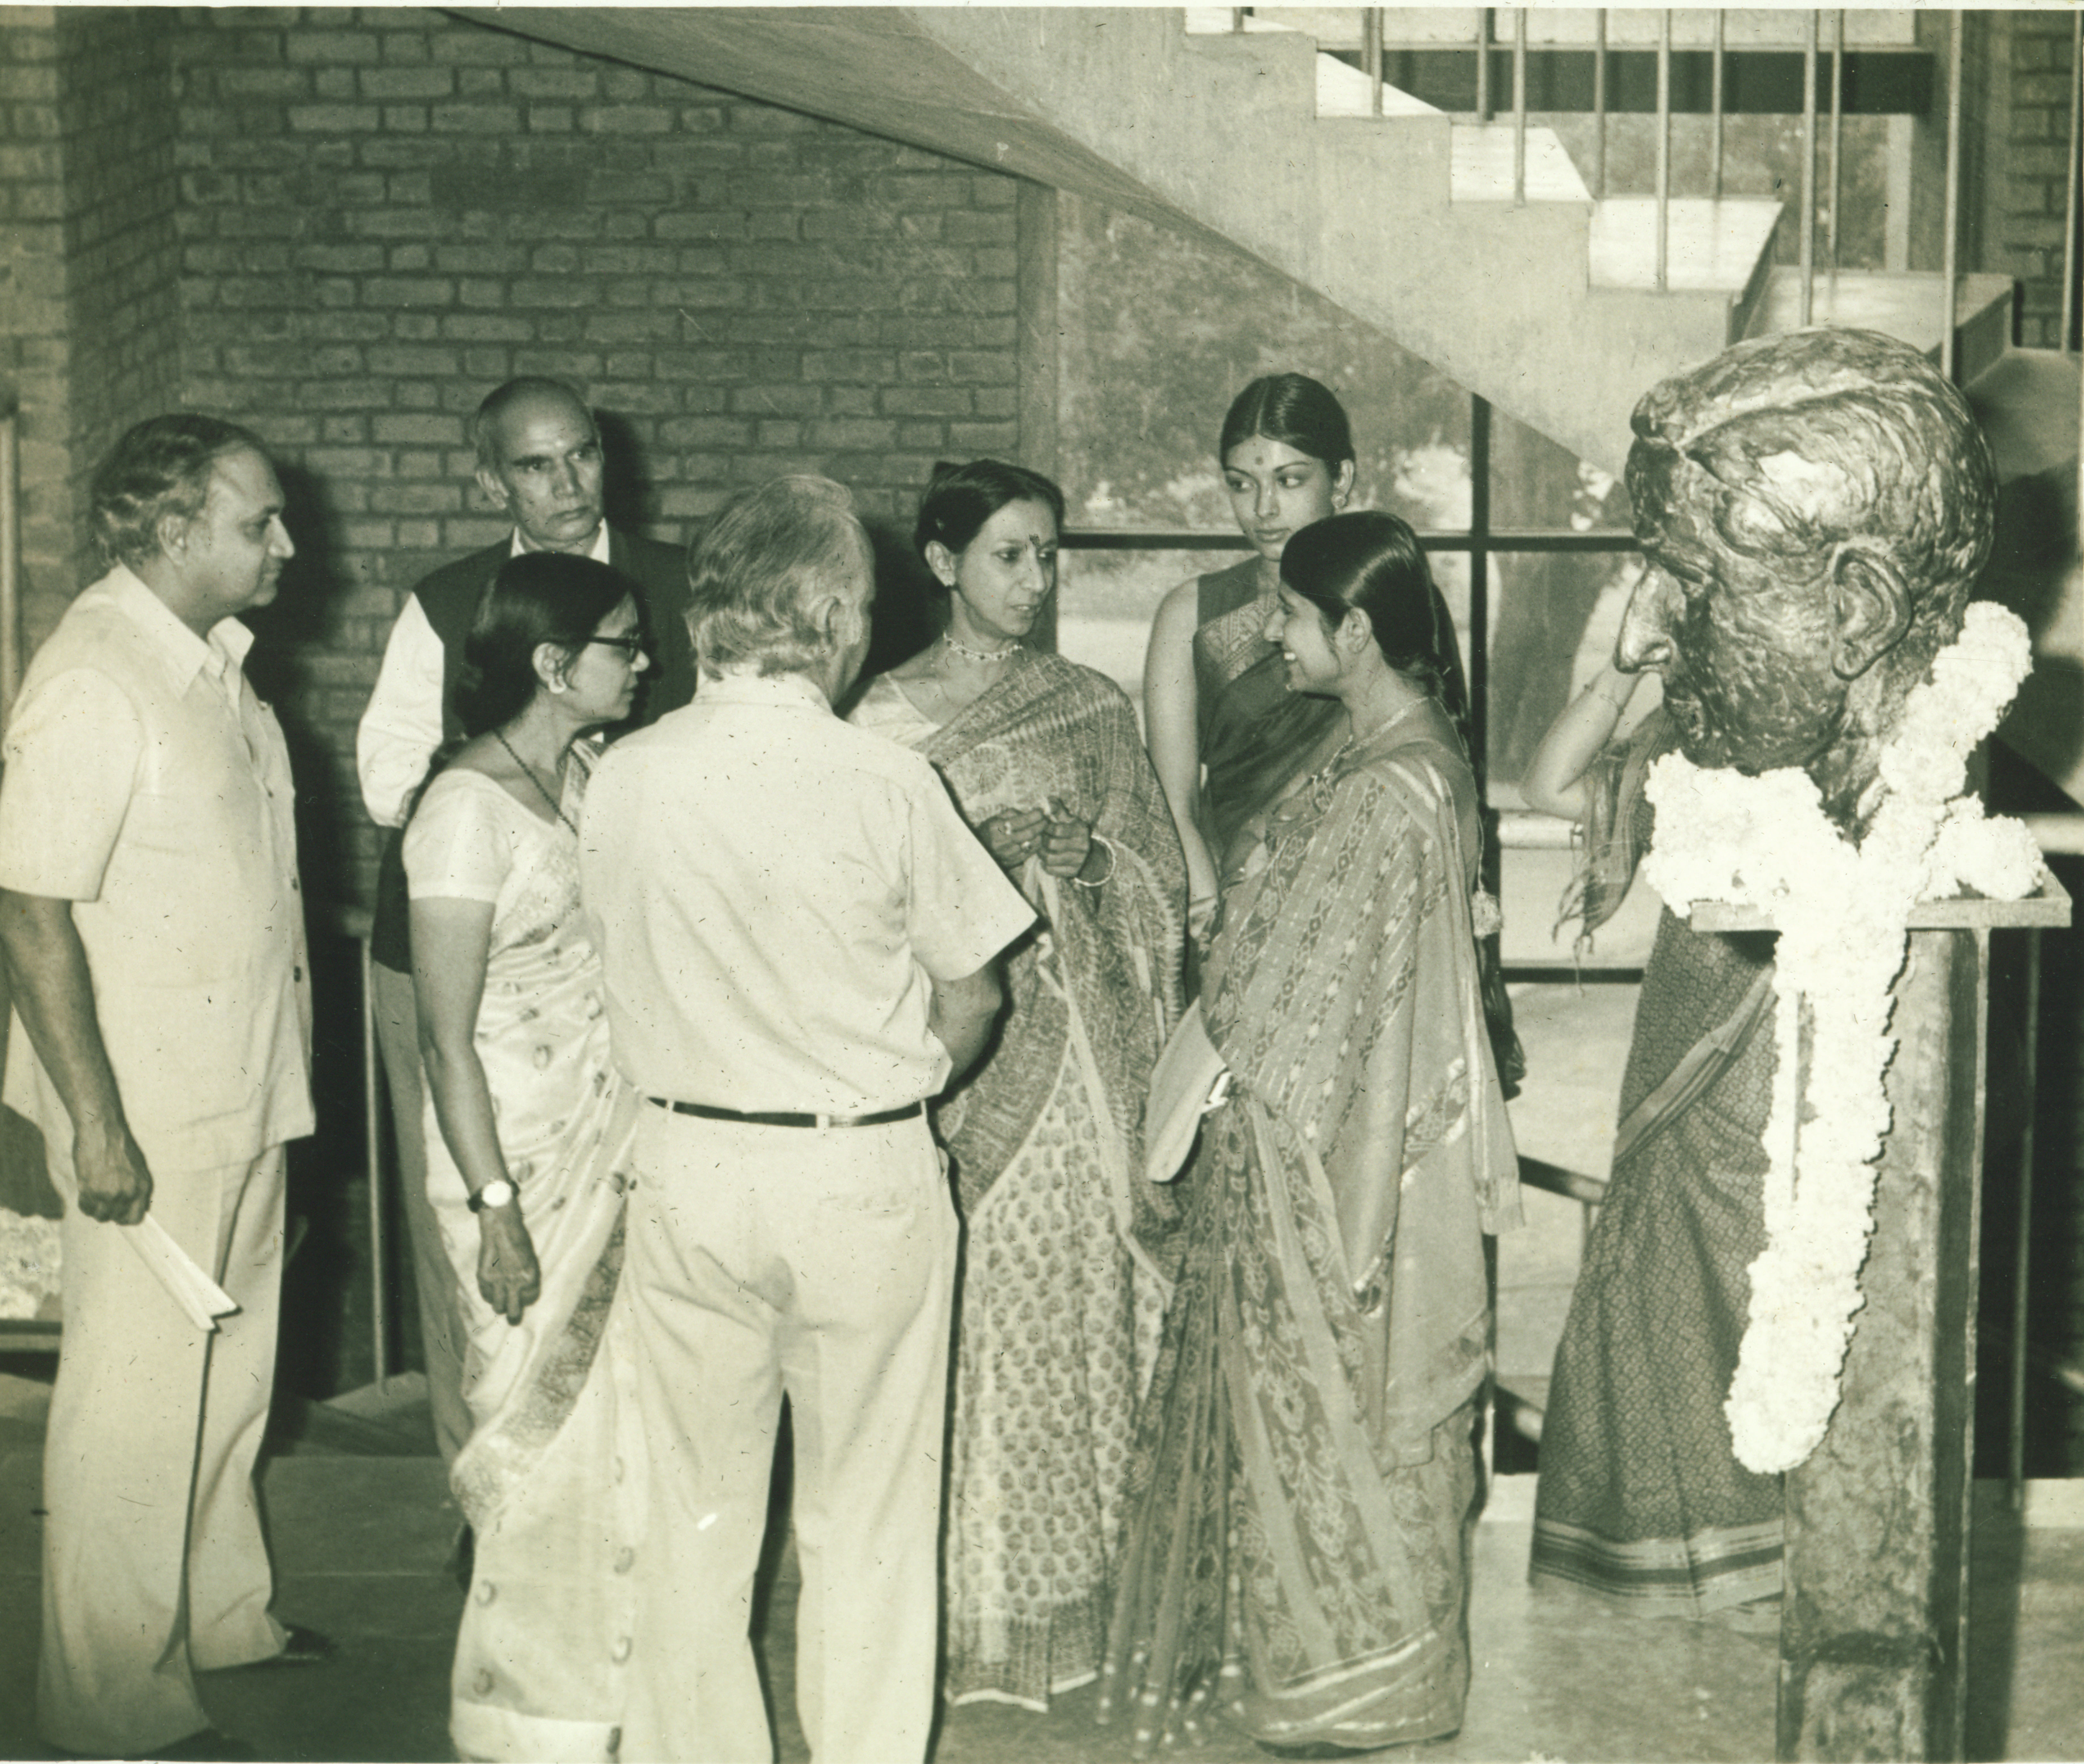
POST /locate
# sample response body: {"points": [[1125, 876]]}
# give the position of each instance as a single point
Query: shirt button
{"points": [[621, 1649], [623, 1559], [297, 974], [295, 886]]}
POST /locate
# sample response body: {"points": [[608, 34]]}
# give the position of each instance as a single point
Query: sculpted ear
{"points": [[1870, 607]]}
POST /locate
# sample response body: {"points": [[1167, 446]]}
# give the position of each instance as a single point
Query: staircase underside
{"points": [[1547, 309], [1220, 137]]}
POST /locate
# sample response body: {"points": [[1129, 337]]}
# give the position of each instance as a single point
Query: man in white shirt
{"points": [[538, 459], [153, 923], [799, 934]]}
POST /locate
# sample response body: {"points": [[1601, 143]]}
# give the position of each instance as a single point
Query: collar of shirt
{"points": [[785, 692], [598, 550], [184, 654]]}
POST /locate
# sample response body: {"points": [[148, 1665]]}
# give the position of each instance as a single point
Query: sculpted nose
{"points": [[280, 542], [1271, 630], [1647, 627]]}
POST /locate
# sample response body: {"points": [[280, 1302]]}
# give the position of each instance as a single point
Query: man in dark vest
{"points": [[539, 458]]}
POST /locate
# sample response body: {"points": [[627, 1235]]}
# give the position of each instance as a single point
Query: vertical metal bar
{"points": [[372, 1137], [1837, 126], [1480, 611], [1715, 110], [2070, 213], [1483, 64], [1949, 255], [1519, 106], [2019, 1306], [1663, 147], [1599, 105], [1809, 174], [1371, 56], [1237, 20], [10, 561]]}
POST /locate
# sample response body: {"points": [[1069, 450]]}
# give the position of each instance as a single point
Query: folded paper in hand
{"points": [[1188, 1080], [193, 1290]]}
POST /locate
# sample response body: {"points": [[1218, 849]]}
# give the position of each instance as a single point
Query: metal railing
{"points": [[1820, 202]]}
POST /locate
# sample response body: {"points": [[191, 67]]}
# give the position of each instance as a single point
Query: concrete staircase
{"points": [[1547, 309]]}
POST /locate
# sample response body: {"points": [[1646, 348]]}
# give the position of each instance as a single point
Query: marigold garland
{"points": [[1842, 910]]}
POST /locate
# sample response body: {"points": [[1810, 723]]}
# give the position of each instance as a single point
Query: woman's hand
{"points": [[507, 1273], [1013, 836], [1067, 842]]}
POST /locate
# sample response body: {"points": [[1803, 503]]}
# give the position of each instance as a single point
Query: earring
{"points": [[557, 685]]}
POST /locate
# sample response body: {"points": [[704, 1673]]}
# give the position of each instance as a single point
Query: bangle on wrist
{"points": [[1106, 875]]}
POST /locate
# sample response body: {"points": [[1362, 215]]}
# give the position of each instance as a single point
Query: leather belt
{"points": [[776, 1117]]}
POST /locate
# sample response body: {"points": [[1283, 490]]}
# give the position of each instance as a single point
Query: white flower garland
{"points": [[1841, 911]]}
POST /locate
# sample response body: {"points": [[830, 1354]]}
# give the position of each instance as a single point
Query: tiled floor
{"points": [[361, 1535]]}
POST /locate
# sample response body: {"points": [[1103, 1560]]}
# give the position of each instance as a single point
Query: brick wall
{"points": [[2025, 198], [384, 214], [121, 249], [88, 313], [35, 343]]}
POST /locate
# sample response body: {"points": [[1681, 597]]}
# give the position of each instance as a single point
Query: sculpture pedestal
{"points": [[1872, 1651]]}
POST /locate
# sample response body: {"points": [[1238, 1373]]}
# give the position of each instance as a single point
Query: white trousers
{"points": [[762, 1261], [155, 1566], [442, 1331]]}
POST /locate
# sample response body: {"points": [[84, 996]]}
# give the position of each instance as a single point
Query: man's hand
{"points": [[114, 1184], [507, 1272]]}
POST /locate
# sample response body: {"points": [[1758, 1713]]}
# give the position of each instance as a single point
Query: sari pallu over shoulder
{"points": [[1103, 971], [1355, 1027]]}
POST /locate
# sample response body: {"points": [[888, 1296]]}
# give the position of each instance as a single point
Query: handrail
{"points": [[1371, 55], [1520, 107], [1483, 64], [1663, 148], [1837, 126], [1950, 252], [1599, 106], [1809, 173], [1715, 64]]}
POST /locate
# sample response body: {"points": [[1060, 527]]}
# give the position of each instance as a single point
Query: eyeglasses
{"points": [[631, 646]]}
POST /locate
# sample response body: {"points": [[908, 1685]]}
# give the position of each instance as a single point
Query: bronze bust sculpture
{"points": [[1813, 508]]}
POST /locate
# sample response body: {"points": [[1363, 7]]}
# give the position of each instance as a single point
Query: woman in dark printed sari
{"points": [[1063, 1280], [1641, 1499], [1227, 737], [1304, 1475]]}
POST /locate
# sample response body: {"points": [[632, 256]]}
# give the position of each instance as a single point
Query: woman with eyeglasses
{"points": [[528, 1127]]}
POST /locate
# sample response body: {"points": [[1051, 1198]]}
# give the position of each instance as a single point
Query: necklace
{"points": [[977, 655], [528, 772]]}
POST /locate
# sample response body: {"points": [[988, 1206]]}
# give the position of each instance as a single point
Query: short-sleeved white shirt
{"points": [[147, 785], [773, 893]]}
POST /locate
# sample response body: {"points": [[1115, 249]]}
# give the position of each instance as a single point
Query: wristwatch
{"points": [[500, 1193]]}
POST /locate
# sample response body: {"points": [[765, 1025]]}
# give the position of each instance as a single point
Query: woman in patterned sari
{"points": [[1227, 737], [1304, 1477], [1641, 1499], [1063, 1282], [526, 1129]]}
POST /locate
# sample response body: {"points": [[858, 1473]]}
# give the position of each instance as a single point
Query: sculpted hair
{"points": [[540, 597], [1373, 560], [1294, 409], [961, 498], [160, 470], [1818, 437], [502, 399], [764, 572]]}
